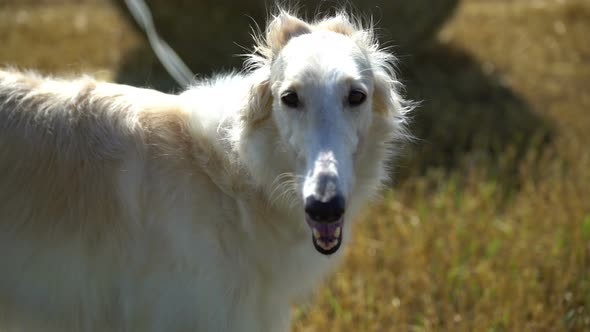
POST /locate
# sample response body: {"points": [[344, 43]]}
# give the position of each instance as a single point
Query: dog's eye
{"points": [[290, 99], [356, 97]]}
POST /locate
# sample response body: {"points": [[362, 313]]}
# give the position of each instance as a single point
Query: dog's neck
{"points": [[256, 179]]}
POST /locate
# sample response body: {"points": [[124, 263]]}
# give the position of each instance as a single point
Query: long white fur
{"points": [[126, 209]]}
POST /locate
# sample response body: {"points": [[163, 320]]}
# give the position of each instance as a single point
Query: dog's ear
{"points": [[386, 99], [339, 24], [282, 28], [259, 105]]}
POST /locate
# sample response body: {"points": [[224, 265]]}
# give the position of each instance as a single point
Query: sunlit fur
{"points": [[126, 209]]}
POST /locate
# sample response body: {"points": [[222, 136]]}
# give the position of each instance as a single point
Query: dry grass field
{"points": [[491, 236]]}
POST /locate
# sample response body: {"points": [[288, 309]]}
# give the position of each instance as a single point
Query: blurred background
{"points": [[487, 224]]}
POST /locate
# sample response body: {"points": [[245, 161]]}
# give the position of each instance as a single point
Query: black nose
{"points": [[326, 212]]}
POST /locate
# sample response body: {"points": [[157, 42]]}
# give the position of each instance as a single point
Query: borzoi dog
{"points": [[127, 209]]}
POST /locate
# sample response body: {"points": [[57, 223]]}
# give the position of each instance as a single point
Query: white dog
{"points": [[126, 209]]}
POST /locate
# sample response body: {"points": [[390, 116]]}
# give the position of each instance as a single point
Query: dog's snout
{"points": [[325, 212], [324, 193]]}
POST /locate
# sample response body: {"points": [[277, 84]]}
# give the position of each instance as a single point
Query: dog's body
{"points": [[126, 209]]}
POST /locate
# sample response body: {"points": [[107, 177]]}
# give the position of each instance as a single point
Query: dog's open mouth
{"points": [[326, 237]]}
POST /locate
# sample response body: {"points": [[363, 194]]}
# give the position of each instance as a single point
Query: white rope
{"points": [[169, 59]]}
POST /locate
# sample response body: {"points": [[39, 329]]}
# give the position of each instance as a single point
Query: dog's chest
{"points": [[279, 245]]}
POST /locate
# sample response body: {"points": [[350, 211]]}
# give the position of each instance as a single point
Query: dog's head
{"points": [[335, 106]]}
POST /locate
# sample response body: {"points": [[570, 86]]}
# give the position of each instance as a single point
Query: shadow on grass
{"points": [[466, 116], [207, 34]]}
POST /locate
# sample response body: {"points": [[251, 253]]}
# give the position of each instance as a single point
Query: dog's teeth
{"points": [[337, 232], [316, 233], [328, 246]]}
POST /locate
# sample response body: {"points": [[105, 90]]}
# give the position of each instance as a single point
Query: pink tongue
{"points": [[327, 230]]}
